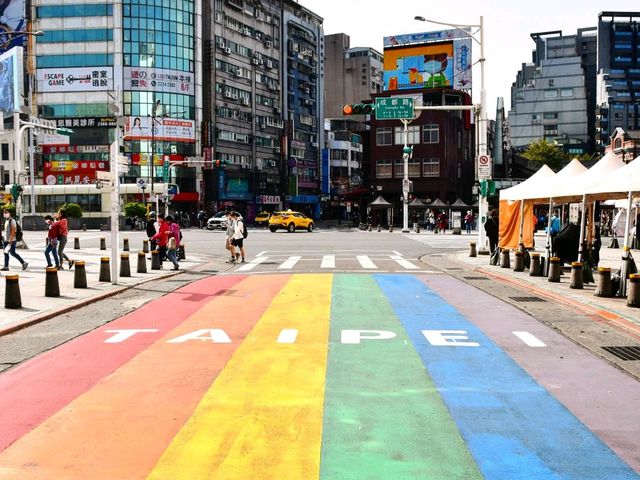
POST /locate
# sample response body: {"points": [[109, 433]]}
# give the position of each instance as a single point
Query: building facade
{"points": [[551, 96], [618, 74]]}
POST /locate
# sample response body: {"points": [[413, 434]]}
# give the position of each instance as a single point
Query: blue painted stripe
{"points": [[513, 427]]}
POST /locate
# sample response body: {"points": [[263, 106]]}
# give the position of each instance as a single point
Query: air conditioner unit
{"points": [[306, 90], [255, 61], [269, 64], [221, 44], [261, 61], [228, 95], [235, 96], [238, 72], [314, 144], [245, 101], [227, 51], [267, 44], [276, 150], [256, 54], [276, 109]]}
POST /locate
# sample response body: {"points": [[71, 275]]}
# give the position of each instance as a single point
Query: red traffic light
{"points": [[217, 163], [357, 109], [347, 109]]}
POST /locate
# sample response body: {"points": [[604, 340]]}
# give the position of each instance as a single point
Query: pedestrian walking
{"points": [[63, 226], [52, 242], [468, 221], [228, 237], [174, 241], [239, 234], [10, 235], [492, 230], [162, 237], [152, 229], [442, 222]]}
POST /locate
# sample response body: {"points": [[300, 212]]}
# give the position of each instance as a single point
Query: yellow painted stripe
{"points": [[264, 411]]}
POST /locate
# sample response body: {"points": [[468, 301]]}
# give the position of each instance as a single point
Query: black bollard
{"points": [[369, 227], [105, 270], [181, 254], [633, 290], [125, 269], [84, 227], [519, 262], [555, 269], [79, 274], [379, 227], [505, 261], [155, 260], [577, 278], [390, 228], [614, 243], [535, 270], [145, 246], [76, 243], [12, 298], [125, 244], [472, 249], [51, 284], [142, 262], [103, 243]]}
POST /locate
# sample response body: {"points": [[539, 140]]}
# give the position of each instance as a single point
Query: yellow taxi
{"points": [[290, 221], [262, 219]]}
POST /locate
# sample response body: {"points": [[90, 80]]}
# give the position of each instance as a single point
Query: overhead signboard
{"points": [[11, 80], [158, 80], [83, 79], [46, 138], [393, 108], [12, 19], [165, 129]]}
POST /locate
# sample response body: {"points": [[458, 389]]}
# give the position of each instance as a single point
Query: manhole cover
{"points": [[527, 299], [624, 353]]}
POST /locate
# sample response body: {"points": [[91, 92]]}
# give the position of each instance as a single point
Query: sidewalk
{"points": [[611, 309], [36, 307]]}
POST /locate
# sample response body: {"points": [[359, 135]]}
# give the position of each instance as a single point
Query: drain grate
{"points": [[527, 299], [475, 278], [624, 353]]}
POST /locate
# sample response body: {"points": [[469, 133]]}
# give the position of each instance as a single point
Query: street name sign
{"points": [[394, 108]]}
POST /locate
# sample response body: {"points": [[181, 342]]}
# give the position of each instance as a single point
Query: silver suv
{"points": [[219, 220]]}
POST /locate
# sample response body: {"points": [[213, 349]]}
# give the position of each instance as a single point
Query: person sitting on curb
{"points": [[10, 240]]}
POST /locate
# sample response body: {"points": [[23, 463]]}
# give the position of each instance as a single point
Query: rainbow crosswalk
{"points": [[318, 376]]}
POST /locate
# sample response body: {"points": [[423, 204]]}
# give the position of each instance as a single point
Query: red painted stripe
{"points": [[33, 391]]}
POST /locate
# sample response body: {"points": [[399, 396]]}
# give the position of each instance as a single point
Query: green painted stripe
{"points": [[383, 417]]}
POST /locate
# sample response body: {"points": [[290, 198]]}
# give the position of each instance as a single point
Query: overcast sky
{"points": [[508, 25]]}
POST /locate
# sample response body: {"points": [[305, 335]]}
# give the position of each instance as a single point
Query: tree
{"points": [[72, 210], [550, 154], [135, 209]]}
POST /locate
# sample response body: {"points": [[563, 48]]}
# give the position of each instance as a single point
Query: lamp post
{"points": [[153, 151], [481, 131]]}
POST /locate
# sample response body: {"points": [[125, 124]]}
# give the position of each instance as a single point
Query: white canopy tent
{"points": [[531, 184]]}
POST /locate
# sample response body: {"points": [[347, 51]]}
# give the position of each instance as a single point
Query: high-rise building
{"points": [[618, 74], [550, 98]]}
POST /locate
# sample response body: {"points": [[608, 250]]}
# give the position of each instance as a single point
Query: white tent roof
{"points": [[592, 177], [531, 184], [618, 183], [555, 186]]}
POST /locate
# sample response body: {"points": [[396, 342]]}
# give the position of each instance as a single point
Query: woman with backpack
{"points": [[10, 240], [239, 234]]}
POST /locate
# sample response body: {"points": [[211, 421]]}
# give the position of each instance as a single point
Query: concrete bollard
{"points": [[125, 244], [125, 269], [76, 243], [379, 227], [79, 274], [555, 269], [105, 270], [577, 278], [12, 298], [505, 260], [145, 246], [142, 262], [103, 243], [369, 227], [155, 260], [518, 265], [51, 284], [614, 243], [390, 228], [535, 270], [84, 227], [181, 252], [472, 249], [633, 290], [603, 286]]}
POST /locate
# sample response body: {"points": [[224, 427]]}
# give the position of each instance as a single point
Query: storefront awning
{"points": [[185, 197]]}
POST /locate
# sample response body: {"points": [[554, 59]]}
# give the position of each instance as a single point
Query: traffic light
{"points": [[357, 109], [220, 163], [16, 190]]}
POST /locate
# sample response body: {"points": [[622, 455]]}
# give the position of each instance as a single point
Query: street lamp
{"points": [[481, 131], [153, 145]]}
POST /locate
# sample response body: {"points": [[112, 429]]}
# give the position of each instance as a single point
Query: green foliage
{"points": [[135, 209], [73, 210], [11, 207], [550, 154]]}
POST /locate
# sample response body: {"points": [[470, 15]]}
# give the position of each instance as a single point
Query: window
{"points": [[384, 136], [78, 35], [93, 10], [399, 169], [431, 167], [413, 135], [617, 143], [431, 133], [415, 165], [551, 93], [550, 115], [384, 168], [566, 92]]}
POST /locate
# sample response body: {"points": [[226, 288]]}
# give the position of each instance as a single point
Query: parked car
{"points": [[290, 221], [219, 220], [262, 219]]}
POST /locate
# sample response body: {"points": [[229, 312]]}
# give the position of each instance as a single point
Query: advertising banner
{"points": [[88, 122], [158, 80], [12, 19], [165, 129], [72, 172], [430, 64], [84, 79], [11, 80]]}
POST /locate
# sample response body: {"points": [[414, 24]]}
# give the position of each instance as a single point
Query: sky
{"points": [[507, 28]]}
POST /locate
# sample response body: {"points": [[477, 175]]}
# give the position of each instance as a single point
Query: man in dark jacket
{"points": [[152, 229], [491, 228]]}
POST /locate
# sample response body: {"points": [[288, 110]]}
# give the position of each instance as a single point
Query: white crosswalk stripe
{"points": [[366, 262], [252, 264], [328, 261], [404, 262], [289, 263]]}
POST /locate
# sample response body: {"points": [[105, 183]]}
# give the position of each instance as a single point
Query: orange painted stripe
{"points": [[149, 397]]}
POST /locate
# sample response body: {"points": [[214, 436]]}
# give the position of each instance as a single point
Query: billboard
{"points": [[143, 79], [12, 19], [86, 79], [165, 129], [11, 80], [427, 60]]}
